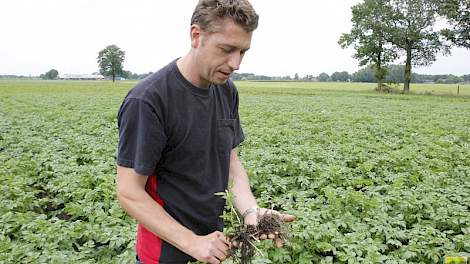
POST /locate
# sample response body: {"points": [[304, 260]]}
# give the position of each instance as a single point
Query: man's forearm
{"points": [[244, 198], [138, 204]]}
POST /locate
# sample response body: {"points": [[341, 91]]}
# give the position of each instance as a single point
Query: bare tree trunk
{"points": [[406, 88], [380, 78], [379, 71]]}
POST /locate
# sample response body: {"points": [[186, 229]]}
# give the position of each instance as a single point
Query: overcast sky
{"points": [[296, 36]]}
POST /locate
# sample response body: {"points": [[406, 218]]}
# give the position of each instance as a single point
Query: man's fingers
{"points": [[213, 260], [222, 248], [288, 217], [222, 237], [279, 242], [222, 245], [219, 254], [263, 237], [271, 236]]}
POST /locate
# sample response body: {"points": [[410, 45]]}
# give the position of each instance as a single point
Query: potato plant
{"points": [[372, 178]]}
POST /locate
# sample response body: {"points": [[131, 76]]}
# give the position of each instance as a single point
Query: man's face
{"points": [[219, 54]]}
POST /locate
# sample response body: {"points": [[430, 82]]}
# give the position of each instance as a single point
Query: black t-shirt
{"points": [[182, 135]]}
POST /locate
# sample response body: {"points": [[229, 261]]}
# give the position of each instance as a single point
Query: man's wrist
{"points": [[187, 243], [251, 210]]}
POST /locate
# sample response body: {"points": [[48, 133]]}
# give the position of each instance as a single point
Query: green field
{"points": [[373, 178]]}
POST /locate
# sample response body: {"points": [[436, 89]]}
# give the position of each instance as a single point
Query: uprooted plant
{"points": [[243, 237]]}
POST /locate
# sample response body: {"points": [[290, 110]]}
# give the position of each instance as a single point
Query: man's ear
{"points": [[195, 34]]}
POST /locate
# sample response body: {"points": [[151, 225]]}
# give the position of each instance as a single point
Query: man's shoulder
{"points": [[153, 85]]}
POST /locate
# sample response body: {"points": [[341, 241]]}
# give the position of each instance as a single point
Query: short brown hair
{"points": [[209, 11]]}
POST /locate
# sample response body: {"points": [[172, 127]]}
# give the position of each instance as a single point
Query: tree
{"points": [[366, 74], [110, 61], [50, 75], [367, 38], [450, 79], [308, 77], [409, 27], [466, 78], [130, 75], [340, 76], [457, 13], [323, 77], [395, 74]]}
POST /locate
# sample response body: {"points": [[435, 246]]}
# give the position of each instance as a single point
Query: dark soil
{"points": [[243, 240]]}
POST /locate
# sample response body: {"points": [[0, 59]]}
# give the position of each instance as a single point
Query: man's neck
{"points": [[188, 69]]}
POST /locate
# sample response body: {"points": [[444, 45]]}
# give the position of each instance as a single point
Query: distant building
{"points": [[81, 77]]}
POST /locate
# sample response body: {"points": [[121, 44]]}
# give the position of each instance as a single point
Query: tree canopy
{"points": [[340, 76], [410, 27], [110, 61], [50, 75], [323, 77], [384, 30], [367, 38], [457, 13]]}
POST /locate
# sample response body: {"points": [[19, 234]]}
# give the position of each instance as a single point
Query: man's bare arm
{"points": [[244, 198], [138, 203]]}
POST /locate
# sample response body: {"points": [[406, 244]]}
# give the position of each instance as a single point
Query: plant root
{"points": [[243, 247]]}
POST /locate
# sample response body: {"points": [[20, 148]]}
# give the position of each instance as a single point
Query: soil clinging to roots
{"points": [[243, 240]]}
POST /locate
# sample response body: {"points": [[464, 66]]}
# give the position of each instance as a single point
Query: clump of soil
{"points": [[243, 249], [272, 224]]}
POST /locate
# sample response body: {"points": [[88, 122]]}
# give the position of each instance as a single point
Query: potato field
{"points": [[372, 178]]}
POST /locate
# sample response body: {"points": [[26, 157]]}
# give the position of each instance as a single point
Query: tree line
{"points": [[394, 74], [384, 31]]}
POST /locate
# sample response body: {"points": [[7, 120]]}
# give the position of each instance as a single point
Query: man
{"points": [[178, 133]]}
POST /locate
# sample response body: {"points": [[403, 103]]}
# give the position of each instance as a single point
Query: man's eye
{"points": [[226, 50]]}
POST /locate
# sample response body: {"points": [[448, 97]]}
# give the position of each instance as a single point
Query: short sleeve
{"points": [[142, 136], [239, 135]]}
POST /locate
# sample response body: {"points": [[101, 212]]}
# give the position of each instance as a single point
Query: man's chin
{"points": [[219, 81]]}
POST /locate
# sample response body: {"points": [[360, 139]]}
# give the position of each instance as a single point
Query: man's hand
{"points": [[252, 219], [212, 248]]}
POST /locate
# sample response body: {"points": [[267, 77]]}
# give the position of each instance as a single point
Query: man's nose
{"points": [[234, 61]]}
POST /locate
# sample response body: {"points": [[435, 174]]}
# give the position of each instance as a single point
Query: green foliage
{"points": [[57, 199], [230, 215], [457, 13], [340, 76], [50, 75], [395, 74], [323, 77], [364, 75], [367, 38], [450, 79], [410, 28], [382, 28], [369, 182], [110, 61]]}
